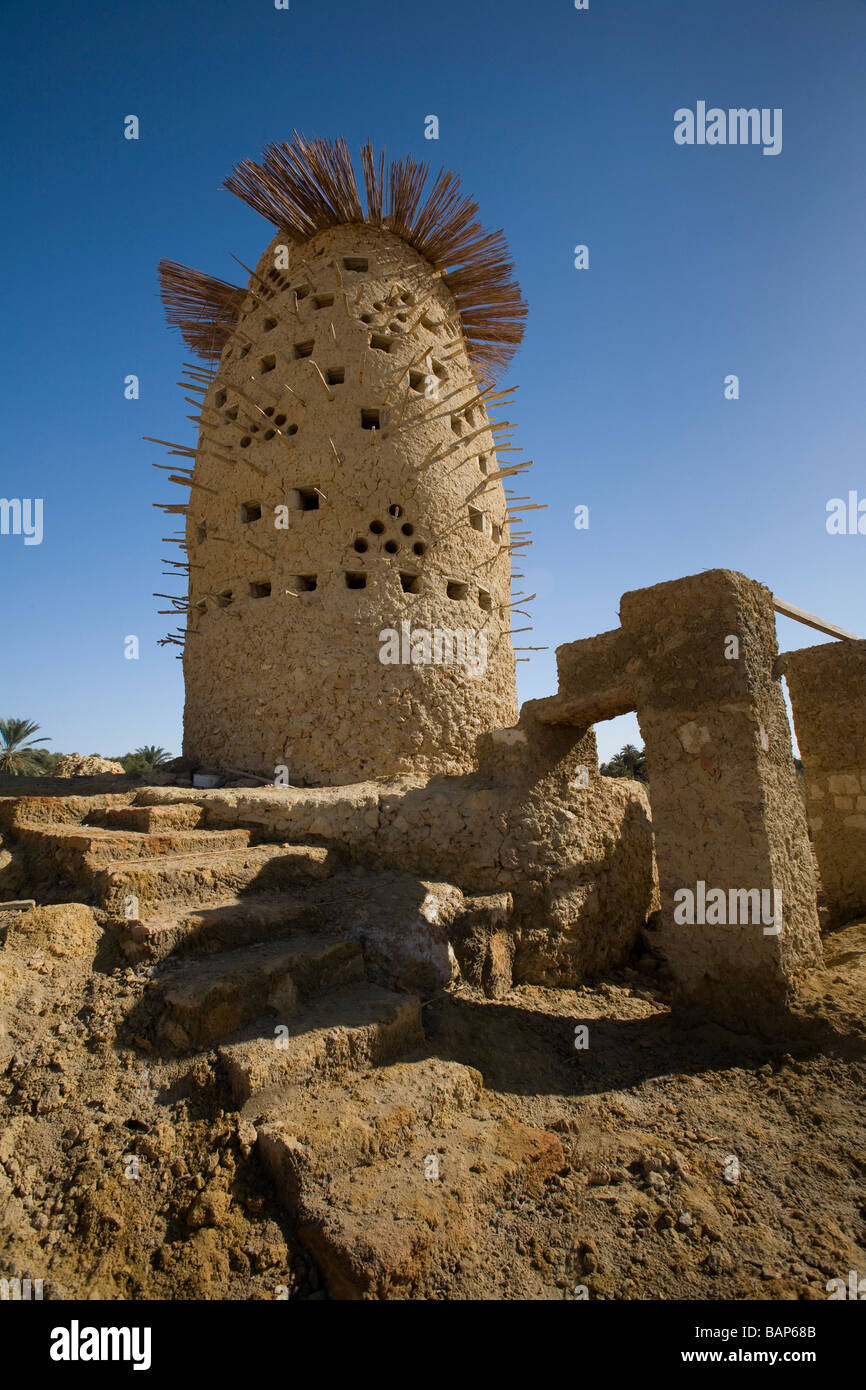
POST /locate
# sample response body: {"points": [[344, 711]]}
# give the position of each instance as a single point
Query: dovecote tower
{"points": [[348, 537]]}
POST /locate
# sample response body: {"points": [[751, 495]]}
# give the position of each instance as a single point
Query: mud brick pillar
{"points": [[828, 695], [695, 658], [726, 806]]}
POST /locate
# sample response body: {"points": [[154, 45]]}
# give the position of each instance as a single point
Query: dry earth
{"points": [[692, 1164]]}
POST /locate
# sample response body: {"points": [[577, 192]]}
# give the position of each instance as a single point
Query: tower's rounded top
{"points": [[305, 186]]}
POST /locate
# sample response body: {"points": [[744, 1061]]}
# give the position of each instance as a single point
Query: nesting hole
{"points": [[305, 583], [309, 499], [267, 364], [323, 301], [360, 545], [485, 601], [411, 583], [250, 511], [336, 376], [377, 527], [304, 349], [356, 263], [370, 419], [381, 342], [260, 588], [391, 547], [456, 589], [355, 580]]}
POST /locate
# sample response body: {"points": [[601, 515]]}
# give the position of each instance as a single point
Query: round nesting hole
{"points": [[392, 547], [269, 434], [378, 304], [419, 548], [366, 318], [247, 440], [269, 410], [280, 419], [395, 510], [360, 545], [408, 529], [377, 527]]}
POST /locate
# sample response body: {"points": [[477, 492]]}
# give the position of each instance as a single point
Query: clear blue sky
{"points": [[704, 261]]}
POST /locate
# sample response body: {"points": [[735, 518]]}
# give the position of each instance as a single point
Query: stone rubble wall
{"points": [[827, 684]]}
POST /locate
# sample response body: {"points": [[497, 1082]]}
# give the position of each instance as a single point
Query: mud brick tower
{"points": [[346, 479]]}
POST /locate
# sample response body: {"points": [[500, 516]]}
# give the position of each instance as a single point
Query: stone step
{"points": [[223, 925], [186, 815], [203, 1002], [347, 1029], [60, 810], [390, 1177], [91, 847], [196, 879]]}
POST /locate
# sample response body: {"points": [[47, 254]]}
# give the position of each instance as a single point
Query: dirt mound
{"points": [[79, 765]]}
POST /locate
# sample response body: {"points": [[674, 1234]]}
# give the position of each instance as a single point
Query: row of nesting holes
{"points": [[455, 589]]}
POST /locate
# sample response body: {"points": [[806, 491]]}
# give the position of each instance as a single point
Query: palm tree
{"points": [[628, 762], [17, 757], [152, 756]]}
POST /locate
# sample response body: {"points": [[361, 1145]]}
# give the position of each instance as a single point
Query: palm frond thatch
{"points": [[203, 308], [305, 186]]}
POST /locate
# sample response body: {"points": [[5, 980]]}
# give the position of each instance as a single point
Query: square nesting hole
{"points": [[476, 520], [268, 325], [456, 424], [355, 579], [260, 588], [304, 583], [410, 583], [225, 598], [308, 499], [323, 301], [356, 263], [302, 291], [370, 419], [381, 342], [485, 601], [456, 589], [267, 364], [250, 511], [336, 376], [304, 349]]}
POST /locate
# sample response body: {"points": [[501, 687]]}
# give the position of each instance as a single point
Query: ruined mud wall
{"points": [[828, 697], [344, 397]]}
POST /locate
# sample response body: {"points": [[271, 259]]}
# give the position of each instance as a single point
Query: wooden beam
{"points": [[788, 610]]}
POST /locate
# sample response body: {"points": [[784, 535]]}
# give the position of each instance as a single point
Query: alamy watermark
{"points": [[441, 646], [736, 126], [714, 907], [22, 516]]}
